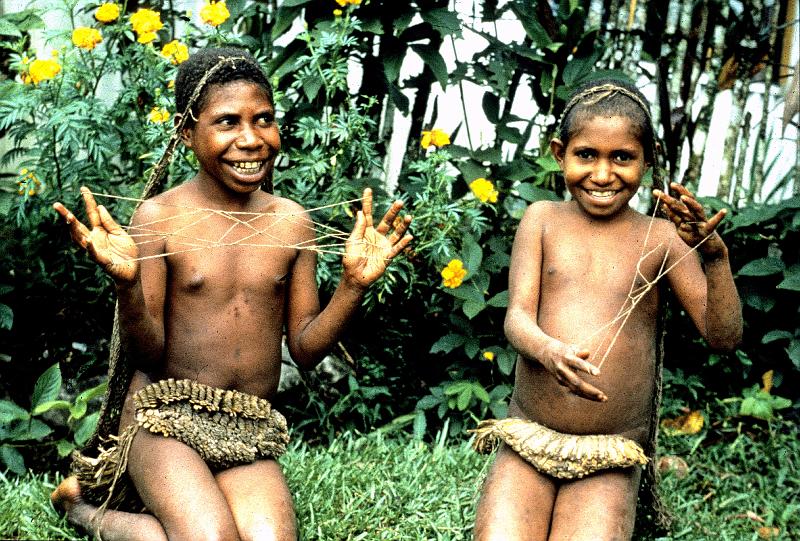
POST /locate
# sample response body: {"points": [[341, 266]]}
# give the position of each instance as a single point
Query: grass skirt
{"points": [[227, 428], [564, 456]]}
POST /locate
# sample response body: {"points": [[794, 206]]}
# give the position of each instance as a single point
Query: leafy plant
{"points": [[20, 427]]}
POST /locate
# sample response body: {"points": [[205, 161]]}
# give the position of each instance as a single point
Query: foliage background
{"points": [[440, 361]]}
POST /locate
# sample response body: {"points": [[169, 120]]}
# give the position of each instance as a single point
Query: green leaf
{"points": [[505, 362], [473, 255], [295, 3], [444, 21], [47, 386], [12, 459], [472, 347], [480, 393], [455, 387], [420, 425], [548, 163], [31, 430], [448, 343], [64, 448], [500, 300], [8, 29], [427, 402], [44, 407], [517, 170], [491, 106], [532, 193], [430, 55], [776, 334], [86, 428], [762, 267], [535, 31], [755, 407], [10, 412], [760, 302], [790, 281], [464, 398], [466, 292], [472, 308], [6, 316], [793, 351], [779, 403]]}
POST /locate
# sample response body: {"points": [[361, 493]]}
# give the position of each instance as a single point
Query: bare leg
{"points": [[601, 507], [113, 525], [259, 498], [516, 502], [177, 486]]}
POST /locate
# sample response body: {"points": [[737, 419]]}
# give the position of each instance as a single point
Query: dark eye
{"points": [[623, 157], [585, 154], [227, 120], [266, 119]]}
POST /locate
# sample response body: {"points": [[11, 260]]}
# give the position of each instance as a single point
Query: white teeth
{"points": [[603, 194], [247, 167]]}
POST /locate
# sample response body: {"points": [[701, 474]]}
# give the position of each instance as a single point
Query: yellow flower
{"points": [[176, 51], [107, 12], [171, 83], [488, 355], [435, 137], [337, 12], [146, 23], [215, 13], [158, 115], [86, 38], [453, 274], [483, 190], [343, 3], [41, 70]]}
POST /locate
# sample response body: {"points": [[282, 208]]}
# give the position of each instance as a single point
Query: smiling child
{"points": [[571, 462], [205, 326]]}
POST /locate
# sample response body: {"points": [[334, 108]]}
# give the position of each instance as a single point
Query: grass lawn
{"points": [[742, 484]]}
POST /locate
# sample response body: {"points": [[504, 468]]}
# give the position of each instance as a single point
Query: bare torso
{"points": [[588, 268], [224, 307]]}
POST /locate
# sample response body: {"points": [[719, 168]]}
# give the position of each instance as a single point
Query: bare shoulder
{"points": [[161, 206], [542, 211]]}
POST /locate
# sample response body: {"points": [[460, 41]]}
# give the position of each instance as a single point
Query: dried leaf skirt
{"points": [[564, 456], [227, 428]]}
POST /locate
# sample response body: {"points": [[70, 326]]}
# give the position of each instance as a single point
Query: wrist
{"points": [[715, 256]]}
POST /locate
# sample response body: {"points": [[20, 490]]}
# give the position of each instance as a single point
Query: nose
{"points": [[248, 137], [602, 172]]}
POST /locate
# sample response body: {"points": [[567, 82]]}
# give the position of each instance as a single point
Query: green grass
{"points": [[374, 487]]}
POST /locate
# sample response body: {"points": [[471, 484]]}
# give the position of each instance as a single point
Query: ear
{"points": [[558, 148], [186, 132]]}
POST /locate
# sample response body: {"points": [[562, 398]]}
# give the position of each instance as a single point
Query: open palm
{"points": [[107, 243], [369, 249]]}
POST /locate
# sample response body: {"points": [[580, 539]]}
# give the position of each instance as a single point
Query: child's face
{"points": [[236, 136], [603, 164]]}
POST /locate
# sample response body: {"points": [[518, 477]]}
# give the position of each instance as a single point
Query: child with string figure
{"points": [[205, 326], [583, 315]]}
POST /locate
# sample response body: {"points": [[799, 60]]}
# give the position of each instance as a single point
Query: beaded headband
{"points": [[602, 92]]}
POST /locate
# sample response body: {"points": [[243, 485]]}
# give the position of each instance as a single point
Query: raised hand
{"points": [[690, 220], [563, 361], [107, 243], [369, 249]]}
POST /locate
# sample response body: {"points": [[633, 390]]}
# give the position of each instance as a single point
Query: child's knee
{"points": [[203, 530], [266, 530]]}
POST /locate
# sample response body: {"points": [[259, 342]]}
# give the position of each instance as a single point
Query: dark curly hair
{"points": [[228, 64], [610, 97]]}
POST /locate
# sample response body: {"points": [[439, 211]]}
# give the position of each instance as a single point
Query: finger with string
{"points": [[567, 377], [677, 212], [389, 218], [366, 206], [78, 231]]}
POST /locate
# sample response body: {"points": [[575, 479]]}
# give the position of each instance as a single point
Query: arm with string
{"points": [[310, 331], [140, 285], [562, 360], [707, 292]]}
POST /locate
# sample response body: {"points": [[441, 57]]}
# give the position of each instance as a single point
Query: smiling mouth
{"points": [[604, 194], [247, 168]]}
